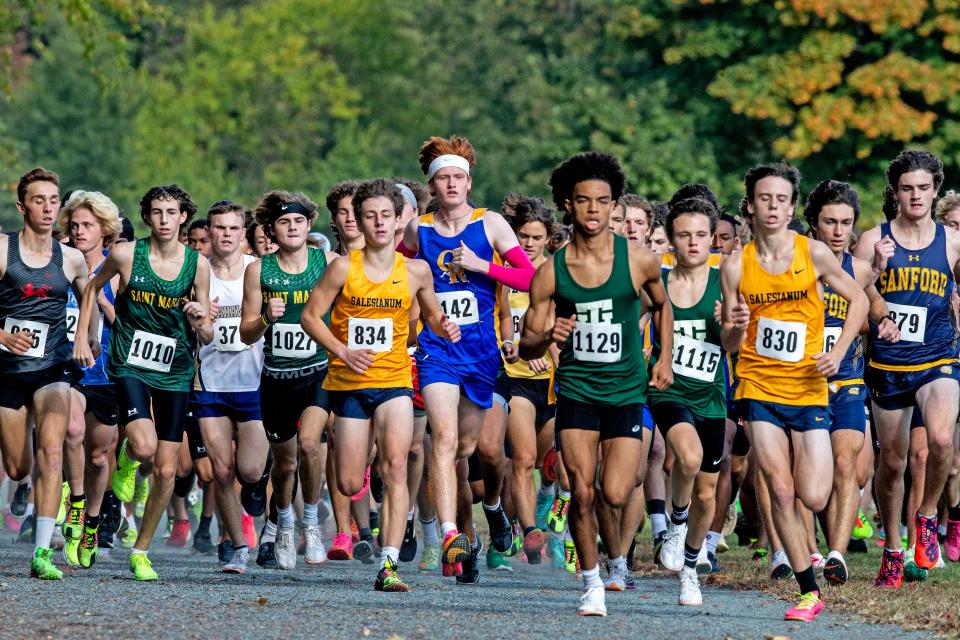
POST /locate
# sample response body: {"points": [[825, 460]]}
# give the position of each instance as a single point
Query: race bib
{"points": [[912, 321], [517, 315], [830, 336], [73, 317], [781, 340], [150, 351], [695, 359], [291, 341], [460, 307], [369, 333], [597, 342], [226, 335], [39, 329]]}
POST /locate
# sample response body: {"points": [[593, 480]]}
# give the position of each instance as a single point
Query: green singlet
{"points": [[286, 345], [602, 361], [151, 338]]}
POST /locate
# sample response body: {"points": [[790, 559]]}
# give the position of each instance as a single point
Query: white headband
{"points": [[448, 160]]}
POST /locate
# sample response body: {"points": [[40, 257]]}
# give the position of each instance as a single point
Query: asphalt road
{"points": [[336, 600]]}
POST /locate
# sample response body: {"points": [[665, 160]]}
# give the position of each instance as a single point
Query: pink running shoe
{"points": [[342, 548], [952, 545], [807, 609]]}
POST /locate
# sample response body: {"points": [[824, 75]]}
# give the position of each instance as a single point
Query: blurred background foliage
{"points": [[231, 99]]}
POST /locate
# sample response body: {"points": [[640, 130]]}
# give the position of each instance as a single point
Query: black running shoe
{"points": [[116, 510], [501, 533], [21, 498], [471, 566], [265, 556], [203, 544], [408, 550], [835, 571], [225, 551], [253, 497], [28, 531], [857, 546]]}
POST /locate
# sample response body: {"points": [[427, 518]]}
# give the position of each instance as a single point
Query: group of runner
{"points": [[440, 356]]}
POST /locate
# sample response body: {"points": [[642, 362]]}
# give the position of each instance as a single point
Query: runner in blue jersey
{"points": [[92, 221], [832, 210], [457, 380], [915, 262]]}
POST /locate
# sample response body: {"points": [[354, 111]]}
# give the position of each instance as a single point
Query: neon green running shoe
{"points": [[430, 558], [911, 571], [557, 517], [72, 531], [497, 561], [64, 500], [124, 478], [140, 494], [569, 556], [862, 529], [87, 554], [42, 566], [141, 568], [517, 542], [389, 580], [129, 538]]}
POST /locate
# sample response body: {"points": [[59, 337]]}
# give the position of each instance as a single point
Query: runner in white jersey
{"points": [[227, 387]]}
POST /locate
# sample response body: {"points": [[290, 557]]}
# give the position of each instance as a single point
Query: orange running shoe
{"points": [[891, 570], [342, 548], [456, 549], [927, 551], [180, 534]]}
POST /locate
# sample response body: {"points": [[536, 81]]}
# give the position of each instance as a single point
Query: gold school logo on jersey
{"points": [[913, 279], [913, 258], [445, 262]]}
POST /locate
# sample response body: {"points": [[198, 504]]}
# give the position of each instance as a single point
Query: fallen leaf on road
{"points": [[261, 601]]}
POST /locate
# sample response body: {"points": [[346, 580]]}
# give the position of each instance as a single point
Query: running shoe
{"points": [[21, 498], [704, 565], [891, 570], [690, 595], [408, 548], [569, 556], [470, 573], [911, 571], [881, 538], [952, 543], [532, 545], [28, 530], [104, 539], [64, 503], [556, 551], [363, 550], [285, 549], [266, 555], [630, 582], [141, 568], [817, 560], [497, 561], [927, 552], [202, 542], [722, 546], [657, 548], [389, 580], [238, 563], [456, 549], [140, 495], [57, 542], [42, 566], [124, 479], [544, 502], [225, 551], [862, 529], [180, 534], [429, 558], [501, 533], [835, 569], [714, 562], [593, 602], [10, 522], [253, 497], [129, 538], [807, 608], [87, 553], [780, 568], [249, 530], [729, 520], [616, 579], [342, 548], [517, 541], [671, 551], [72, 532], [557, 516], [856, 546], [315, 553]]}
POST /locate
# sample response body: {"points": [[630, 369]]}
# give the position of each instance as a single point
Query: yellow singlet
{"points": [[375, 316], [519, 303], [785, 331]]}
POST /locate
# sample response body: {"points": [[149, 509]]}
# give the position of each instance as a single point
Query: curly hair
{"points": [[454, 145], [692, 205], [914, 160], [591, 165], [103, 209], [830, 192], [949, 202], [338, 192], [378, 188], [518, 210], [167, 192], [271, 204], [777, 170]]}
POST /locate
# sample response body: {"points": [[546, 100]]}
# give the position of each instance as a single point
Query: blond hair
{"points": [[102, 208], [946, 204]]}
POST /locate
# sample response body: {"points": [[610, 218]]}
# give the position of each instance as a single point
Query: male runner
{"points": [[371, 295], [915, 261], [293, 403], [92, 222], [35, 367], [832, 209], [459, 242], [227, 393], [198, 237], [151, 350], [593, 288], [636, 216], [773, 313]]}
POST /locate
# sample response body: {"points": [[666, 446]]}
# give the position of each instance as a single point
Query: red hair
{"points": [[454, 145]]}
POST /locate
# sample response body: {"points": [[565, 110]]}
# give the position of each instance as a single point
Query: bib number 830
{"points": [[781, 340]]}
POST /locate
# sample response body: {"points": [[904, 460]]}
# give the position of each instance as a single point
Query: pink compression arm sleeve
{"points": [[520, 275]]}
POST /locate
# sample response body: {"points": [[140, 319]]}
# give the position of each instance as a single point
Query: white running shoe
{"points": [[593, 603], [285, 549], [690, 588], [237, 564], [817, 560], [703, 561], [780, 568], [617, 579], [314, 552], [671, 553]]}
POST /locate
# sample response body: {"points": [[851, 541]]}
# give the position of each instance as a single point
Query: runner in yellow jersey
{"points": [[773, 313], [370, 295]]}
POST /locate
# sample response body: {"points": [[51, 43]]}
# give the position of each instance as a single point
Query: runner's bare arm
{"points": [[198, 311], [119, 262], [320, 302], [252, 323], [414, 316], [886, 328], [508, 345], [875, 250], [538, 331], [410, 243], [430, 311], [645, 267], [829, 271], [735, 314], [77, 271]]}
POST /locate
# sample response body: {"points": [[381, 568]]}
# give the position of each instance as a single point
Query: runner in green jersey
{"points": [[692, 412], [586, 298], [152, 343], [292, 399]]}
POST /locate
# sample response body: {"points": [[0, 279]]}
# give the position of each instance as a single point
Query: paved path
{"points": [[336, 600]]}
